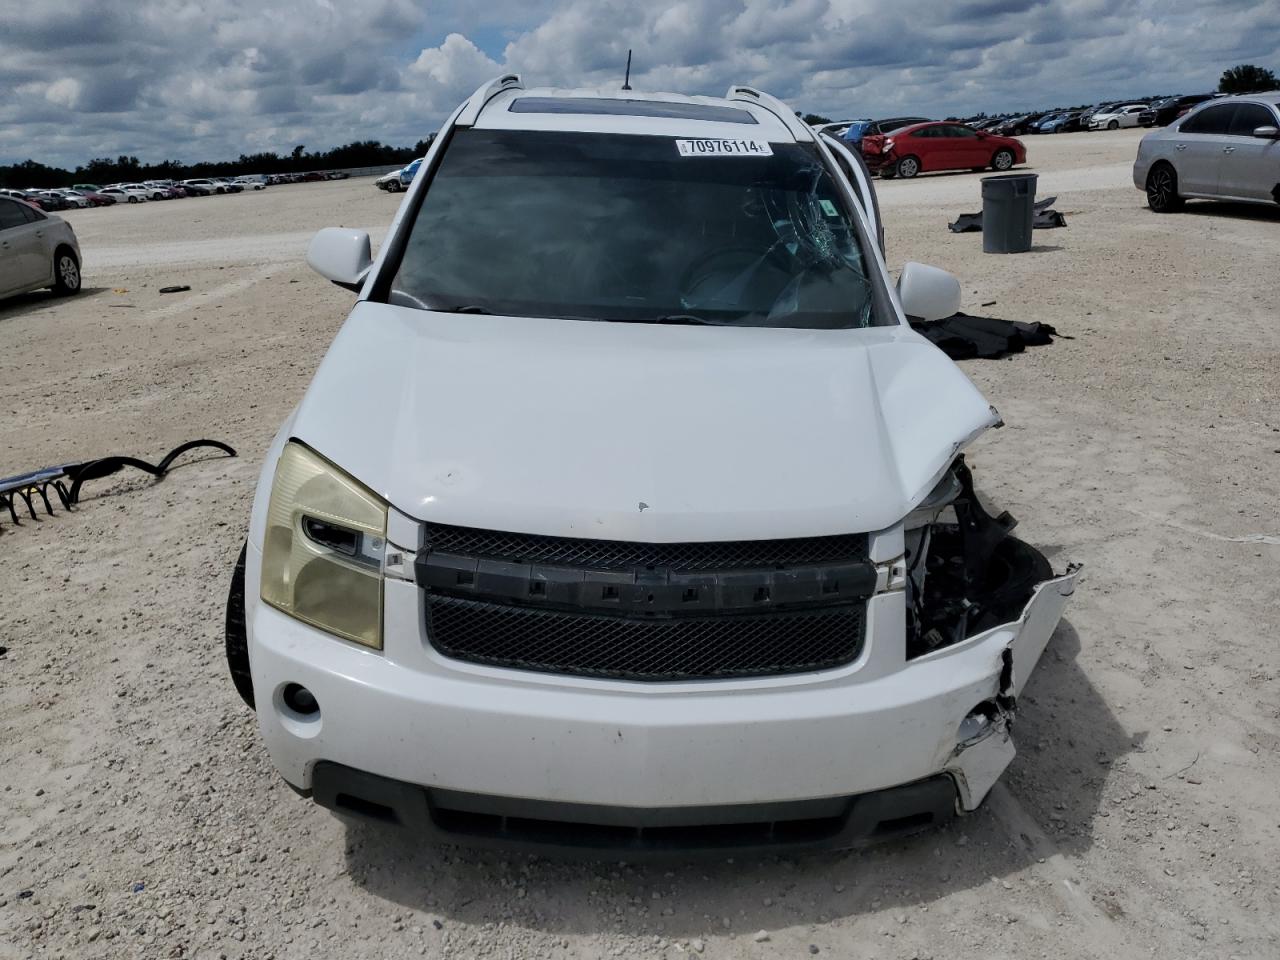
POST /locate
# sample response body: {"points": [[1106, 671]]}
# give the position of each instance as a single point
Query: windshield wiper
{"points": [[685, 319], [465, 308]]}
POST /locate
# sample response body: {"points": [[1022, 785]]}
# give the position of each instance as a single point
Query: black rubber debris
{"points": [[963, 337], [31, 490], [178, 289], [1045, 219]]}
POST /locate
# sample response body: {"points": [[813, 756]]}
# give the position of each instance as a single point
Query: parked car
{"points": [[755, 644], [837, 128], [71, 197], [930, 147], [875, 128], [248, 183], [95, 199], [125, 195], [36, 251], [203, 186], [1117, 117], [20, 195], [1225, 149], [48, 200], [88, 187], [1068, 122], [1018, 125], [1166, 111], [408, 173], [389, 182]]}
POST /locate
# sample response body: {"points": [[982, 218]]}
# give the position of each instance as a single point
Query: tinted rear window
{"points": [[1250, 116], [1212, 120]]}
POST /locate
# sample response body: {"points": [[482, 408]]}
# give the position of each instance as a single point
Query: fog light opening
{"points": [[982, 721], [300, 700]]}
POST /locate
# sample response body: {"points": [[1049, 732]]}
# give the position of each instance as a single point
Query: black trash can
{"points": [[1008, 211]]}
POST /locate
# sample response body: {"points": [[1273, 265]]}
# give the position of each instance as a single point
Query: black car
{"points": [[1166, 111]]}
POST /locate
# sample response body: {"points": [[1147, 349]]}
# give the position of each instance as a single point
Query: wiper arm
{"points": [[685, 319], [465, 308]]}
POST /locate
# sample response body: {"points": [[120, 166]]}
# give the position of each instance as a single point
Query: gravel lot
{"points": [[139, 816]]}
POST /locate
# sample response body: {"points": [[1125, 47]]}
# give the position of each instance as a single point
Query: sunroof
{"points": [[605, 106]]}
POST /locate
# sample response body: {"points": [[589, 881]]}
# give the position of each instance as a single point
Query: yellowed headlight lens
{"points": [[332, 578]]}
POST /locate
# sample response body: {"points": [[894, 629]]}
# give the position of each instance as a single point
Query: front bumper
{"points": [[409, 715]]}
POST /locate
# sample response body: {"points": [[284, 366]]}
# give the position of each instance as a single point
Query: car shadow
{"points": [[1067, 739], [1233, 210], [40, 299]]}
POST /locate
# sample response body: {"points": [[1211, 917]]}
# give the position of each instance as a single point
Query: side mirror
{"points": [[928, 293], [1267, 133], [341, 255]]}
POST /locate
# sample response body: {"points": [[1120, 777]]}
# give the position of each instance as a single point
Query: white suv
{"points": [[626, 510]]}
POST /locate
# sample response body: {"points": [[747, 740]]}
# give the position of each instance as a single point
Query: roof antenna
{"points": [[626, 84]]}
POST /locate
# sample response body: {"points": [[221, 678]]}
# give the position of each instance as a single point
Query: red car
{"points": [[928, 147]]}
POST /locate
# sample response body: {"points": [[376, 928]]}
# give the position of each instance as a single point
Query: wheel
{"points": [[1003, 160], [1113, 125], [907, 167], [237, 640], [66, 272], [133, 199], [1162, 189]]}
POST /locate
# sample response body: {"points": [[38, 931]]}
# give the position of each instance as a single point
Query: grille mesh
{"points": [[630, 648], [605, 554]]}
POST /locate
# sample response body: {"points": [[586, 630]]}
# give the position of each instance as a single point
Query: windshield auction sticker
{"points": [[724, 148]]}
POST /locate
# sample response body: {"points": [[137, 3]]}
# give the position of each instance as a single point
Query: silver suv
{"points": [[1228, 149]]}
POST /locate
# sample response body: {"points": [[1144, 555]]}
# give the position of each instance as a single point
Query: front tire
{"points": [[237, 638], [907, 167], [1003, 160], [1162, 189], [1113, 125], [66, 272]]}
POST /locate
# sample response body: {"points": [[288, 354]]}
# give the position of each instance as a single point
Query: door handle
{"points": [[1228, 149], [1181, 146]]}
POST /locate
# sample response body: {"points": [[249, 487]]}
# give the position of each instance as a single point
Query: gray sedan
{"points": [[1227, 149], [36, 250]]}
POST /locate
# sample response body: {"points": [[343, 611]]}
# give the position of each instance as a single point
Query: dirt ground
{"points": [[139, 816]]}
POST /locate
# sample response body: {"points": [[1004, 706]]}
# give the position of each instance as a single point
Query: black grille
{"points": [[635, 648], [609, 554]]}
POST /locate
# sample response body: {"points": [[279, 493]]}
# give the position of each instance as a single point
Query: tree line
{"points": [[126, 169]]}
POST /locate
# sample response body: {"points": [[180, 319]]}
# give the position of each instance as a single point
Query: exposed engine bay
{"points": [[966, 573]]}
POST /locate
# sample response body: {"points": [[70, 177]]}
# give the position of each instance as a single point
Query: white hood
{"points": [[637, 431]]}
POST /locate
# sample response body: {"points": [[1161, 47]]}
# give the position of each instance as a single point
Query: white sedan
{"points": [[125, 194], [1126, 116], [36, 251]]}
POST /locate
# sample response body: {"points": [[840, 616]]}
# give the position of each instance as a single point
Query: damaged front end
{"points": [[969, 582]]}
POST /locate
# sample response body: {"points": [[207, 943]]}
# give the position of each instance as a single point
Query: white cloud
{"points": [[64, 92], [170, 78]]}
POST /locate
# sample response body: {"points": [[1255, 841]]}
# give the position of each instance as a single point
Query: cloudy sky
{"points": [[187, 80]]}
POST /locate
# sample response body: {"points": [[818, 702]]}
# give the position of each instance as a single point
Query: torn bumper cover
{"points": [[466, 752]]}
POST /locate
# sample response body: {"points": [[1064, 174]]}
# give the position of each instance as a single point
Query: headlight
{"points": [[888, 145], [322, 558]]}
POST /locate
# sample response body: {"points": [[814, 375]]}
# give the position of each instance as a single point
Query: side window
{"points": [[1210, 120], [11, 214], [959, 131], [926, 132], [1250, 116], [31, 213]]}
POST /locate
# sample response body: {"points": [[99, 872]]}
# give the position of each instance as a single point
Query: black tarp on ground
{"points": [[962, 337], [1045, 219]]}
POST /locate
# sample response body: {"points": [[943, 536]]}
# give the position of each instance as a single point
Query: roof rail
{"points": [[798, 128], [478, 100]]}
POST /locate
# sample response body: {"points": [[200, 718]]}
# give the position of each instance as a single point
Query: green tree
{"points": [[1247, 78], [813, 119]]}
